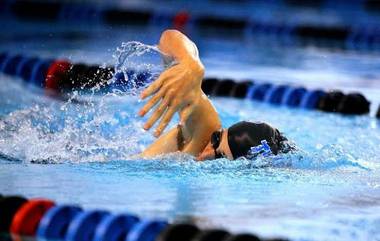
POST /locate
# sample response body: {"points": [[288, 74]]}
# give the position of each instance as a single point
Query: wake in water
{"points": [[108, 130], [104, 127]]}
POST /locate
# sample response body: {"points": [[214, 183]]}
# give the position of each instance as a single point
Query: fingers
{"points": [[165, 120], [157, 113], [154, 86], [153, 101]]}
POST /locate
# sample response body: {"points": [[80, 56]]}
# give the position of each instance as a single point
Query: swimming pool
{"points": [[329, 190]]}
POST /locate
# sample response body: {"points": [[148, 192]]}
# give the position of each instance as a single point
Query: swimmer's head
{"points": [[237, 140]]}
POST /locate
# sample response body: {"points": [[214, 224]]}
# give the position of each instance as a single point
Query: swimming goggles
{"points": [[215, 139], [263, 149]]}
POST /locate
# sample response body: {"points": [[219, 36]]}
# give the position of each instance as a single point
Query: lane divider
{"points": [[291, 96], [62, 76], [42, 219], [350, 37]]}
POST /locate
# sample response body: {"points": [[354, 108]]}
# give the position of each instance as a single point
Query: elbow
{"points": [[169, 34], [200, 69], [168, 38], [166, 41]]}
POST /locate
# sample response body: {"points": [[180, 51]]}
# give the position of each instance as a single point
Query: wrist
{"points": [[195, 66]]}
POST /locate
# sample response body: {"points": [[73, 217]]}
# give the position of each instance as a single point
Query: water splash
{"points": [[105, 127], [78, 134], [128, 50], [133, 57], [88, 126]]}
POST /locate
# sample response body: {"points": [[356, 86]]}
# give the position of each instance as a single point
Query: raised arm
{"points": [[178, 89]]}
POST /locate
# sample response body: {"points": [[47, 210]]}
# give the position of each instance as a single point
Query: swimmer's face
{"points": [[217, 147]]}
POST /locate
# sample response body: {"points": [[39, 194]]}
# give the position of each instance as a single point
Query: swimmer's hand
{"points": [[177, 89]]}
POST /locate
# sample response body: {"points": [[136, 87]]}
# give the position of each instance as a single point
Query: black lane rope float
{"points": [[62, 76], [361, 37], [45, 220]]}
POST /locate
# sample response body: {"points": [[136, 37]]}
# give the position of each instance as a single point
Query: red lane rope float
{"points": [[26, 220], [56, 73], [180, 20]]}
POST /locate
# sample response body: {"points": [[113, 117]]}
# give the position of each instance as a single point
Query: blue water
{"points": [[328, 190]]}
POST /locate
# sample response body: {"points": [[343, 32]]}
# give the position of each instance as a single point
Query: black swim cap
{"points": [[244, 135]]}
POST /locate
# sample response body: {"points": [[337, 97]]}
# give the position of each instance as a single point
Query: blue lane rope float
{"points": [[275, 93], [257, 92], [115, 227], [82, 227], [61, 76], [20, 69], [293, 96], [311, 99], [361, 37], [146, 230], [39, 71], [54, 224], [10, 64]]}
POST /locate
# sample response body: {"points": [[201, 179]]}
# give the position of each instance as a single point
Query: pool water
{"points": [[83, 152]]}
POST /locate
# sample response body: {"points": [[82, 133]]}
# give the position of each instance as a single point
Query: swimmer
{"points": [[199, 132]]}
